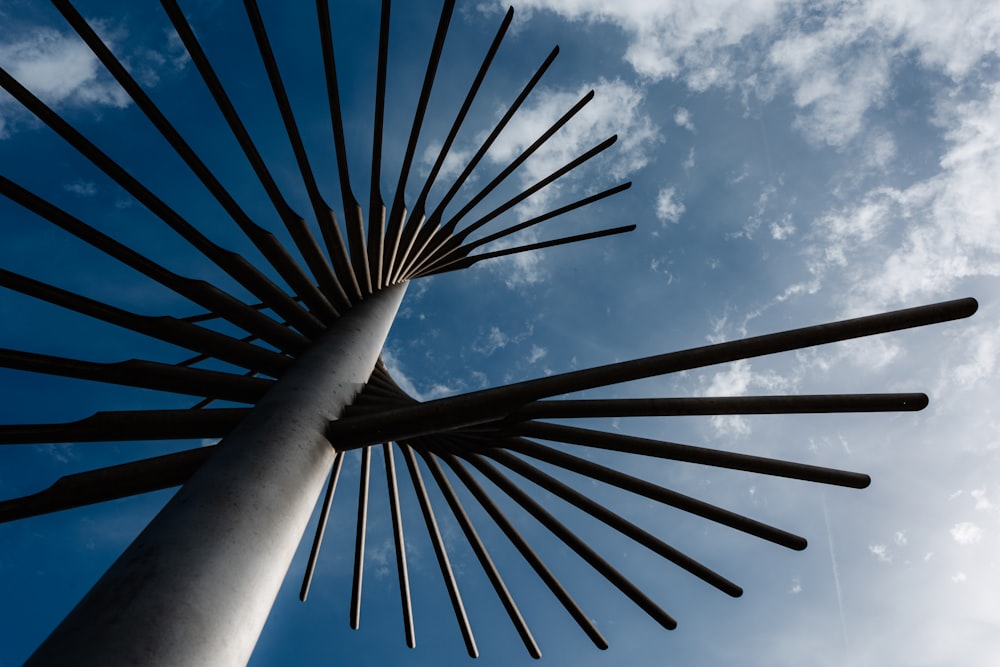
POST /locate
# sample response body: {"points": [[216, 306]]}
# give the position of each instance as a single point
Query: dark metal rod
{"points": [[128, 425], [720, 405], [690, 454], [571, 540], [483, 555], [325, 217], [413, 223], [198, 291], [165, 328], [616, 521], [529, 554], [324, 516], [439, 550], [266, 243], [297, 227], [376, 204], [398, 211], [466, 262], [98, 486], [494, 404], [429, 240], [145, 374], [400, 543], [359, 540], [653, 492], [232, 263]]}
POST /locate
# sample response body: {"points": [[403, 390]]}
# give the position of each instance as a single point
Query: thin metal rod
{"points": [[128, 425], [571, 540], [165, 328], [324, 515], [689, 454], [140, 373], [495, 404], [359, 539], [428, 241], [398, 211], [416, 219], [652, 491], [376, 204], [198, 291], [325, 217], [232, 263], [439, 551], [297, 227], [529, 554], [617, 522], [103, 484], [720, 405], [269, 246], [466, 262], [353, 217], [400, 543], [483, 555]]}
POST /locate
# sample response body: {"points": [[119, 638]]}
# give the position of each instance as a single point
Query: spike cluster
{"points": [[482, 431]]}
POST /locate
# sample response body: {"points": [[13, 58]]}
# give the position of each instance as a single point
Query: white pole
{"points": [[196, 586]]}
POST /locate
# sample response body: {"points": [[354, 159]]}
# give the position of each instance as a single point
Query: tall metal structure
{"points": [[197, 585]]}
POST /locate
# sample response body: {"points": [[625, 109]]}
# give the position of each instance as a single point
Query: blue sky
{"points": [[792, 163]]}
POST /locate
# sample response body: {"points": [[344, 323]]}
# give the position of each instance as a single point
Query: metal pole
{"points": [[196, 587]]}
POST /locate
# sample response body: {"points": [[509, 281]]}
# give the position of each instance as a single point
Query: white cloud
{"points": [[495, 339], [881, 552], [82, 188], [683, 118], [966, 532], [668, 207], [536, 354]]}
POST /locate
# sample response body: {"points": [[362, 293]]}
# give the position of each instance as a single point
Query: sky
{"points": [[791, 164]]}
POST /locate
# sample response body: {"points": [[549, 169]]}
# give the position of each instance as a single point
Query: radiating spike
{"points": [[117, 426], [397, 533], [301, 235], [163, 328], [398, 211], [376, 204], [269, 246], [103, 484], [439, 551], [529, 554], [483, 555], [324, 515], [617, 522], [145, 374], [652, 491], [571, 540], [719, 405], [689, 454], [325, 217], [230, 262], [359, 540], [466, 262], [486, 405]]}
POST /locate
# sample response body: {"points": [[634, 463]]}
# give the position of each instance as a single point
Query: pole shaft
{"points": [[196, 586]]}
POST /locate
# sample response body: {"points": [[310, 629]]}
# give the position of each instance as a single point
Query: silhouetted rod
{"points": [[146, 374], [439, 550], [359, 539], [529, 554], [721, 405], [198, 291], [482, 554], [652, 491], [606, 570], [376, 204], [494, 404], [400, 543], [324, 516], [98, 486], [301, 235], [264, 240], [128, 425], [614, 520], [689, 454]]}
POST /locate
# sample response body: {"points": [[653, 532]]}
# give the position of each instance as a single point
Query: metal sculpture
{"points": [[197, 585]]}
